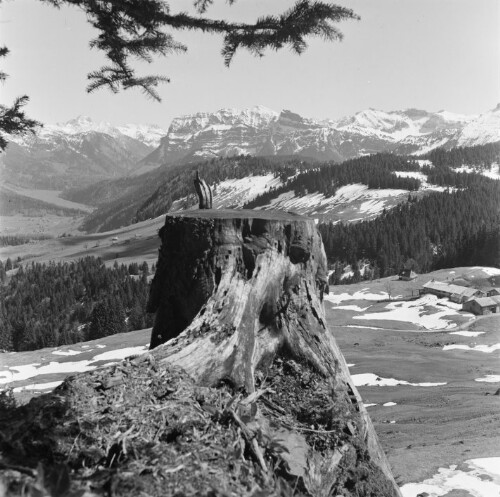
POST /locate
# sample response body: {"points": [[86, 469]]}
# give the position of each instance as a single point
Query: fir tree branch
{"points": [[135, 28], [13, 120]]}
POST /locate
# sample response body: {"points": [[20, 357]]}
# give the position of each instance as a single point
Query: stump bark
{"points": [[238, 300]]}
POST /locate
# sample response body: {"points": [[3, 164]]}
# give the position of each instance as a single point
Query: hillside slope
{"points": [[78, 152]]}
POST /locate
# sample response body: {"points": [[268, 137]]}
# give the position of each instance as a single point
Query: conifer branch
{"points": [[13, 120], [135, 28]]}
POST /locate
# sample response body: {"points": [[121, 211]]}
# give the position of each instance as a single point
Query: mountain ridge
{"points": [[75, 153], [83, 152], [262, 131]]}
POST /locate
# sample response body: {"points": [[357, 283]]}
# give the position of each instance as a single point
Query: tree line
{"points": [[479, 156], [375, 171], [440, 230], [49, 305]]}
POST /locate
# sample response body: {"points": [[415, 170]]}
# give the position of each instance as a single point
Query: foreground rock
{"points": [[250, 396]]}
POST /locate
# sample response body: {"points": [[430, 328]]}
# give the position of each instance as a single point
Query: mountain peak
{"points": [[81, 119]]}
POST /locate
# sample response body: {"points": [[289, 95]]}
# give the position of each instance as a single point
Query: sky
{"points": [[425, 54]]}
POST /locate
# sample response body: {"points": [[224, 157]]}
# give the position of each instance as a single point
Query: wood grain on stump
{"points": [[237, 294]]}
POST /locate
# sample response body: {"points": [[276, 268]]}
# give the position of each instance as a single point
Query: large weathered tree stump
{"points": [[238, 299]]}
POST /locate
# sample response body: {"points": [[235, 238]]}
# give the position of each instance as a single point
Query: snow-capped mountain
{"points": [[261, 131], [81, 151], [148, 134], [484, 129], [76, 153]]}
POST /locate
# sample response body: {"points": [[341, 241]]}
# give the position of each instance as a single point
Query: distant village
{"points": [[485, 300]]}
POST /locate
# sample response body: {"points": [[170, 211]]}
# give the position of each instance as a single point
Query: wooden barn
{"points": [[455, 293], [407, 275], [491, 291], [482, 305]]}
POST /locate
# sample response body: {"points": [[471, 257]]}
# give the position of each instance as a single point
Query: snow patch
{"points": [[29, 371], [450, 479], [26, 371], [351, 308], [490, 378], [119, 354], [68, 352], [487, 349], [360, 326], [360, 295], [416, 312], [468, 333], [372, 380], [490, 271], [38, 386]]}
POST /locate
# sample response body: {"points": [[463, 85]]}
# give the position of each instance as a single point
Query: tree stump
{"points": [[238, 300]]}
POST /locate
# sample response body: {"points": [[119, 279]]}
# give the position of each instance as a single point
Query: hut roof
{"points": [[451, 289], [486, 301]]}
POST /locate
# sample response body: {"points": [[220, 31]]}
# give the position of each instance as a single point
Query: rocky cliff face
{"points": [[261, 131]]}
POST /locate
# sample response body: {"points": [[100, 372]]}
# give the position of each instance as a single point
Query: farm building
{"points": [[482, 305], [455, 293], [491, 291], [407, 275]]}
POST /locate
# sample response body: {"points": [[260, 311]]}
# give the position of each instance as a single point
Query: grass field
{"points": [[135, 243], [424, 429]]}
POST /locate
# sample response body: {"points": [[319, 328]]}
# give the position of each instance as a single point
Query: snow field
{"points": [[236, 192], [26, 371], [490, 271], [481, 480], [372, 201], [416, 312], [360, 295]]}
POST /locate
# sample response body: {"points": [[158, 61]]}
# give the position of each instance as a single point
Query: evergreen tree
{"points": [[99, 321]]}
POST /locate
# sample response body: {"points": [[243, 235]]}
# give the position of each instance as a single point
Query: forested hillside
{"points": [[457, 227], [375, 171], [479, 156], [152, 194], [213, 172], [47, 305]]}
